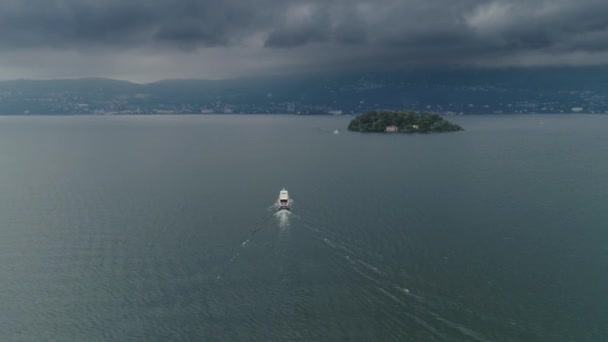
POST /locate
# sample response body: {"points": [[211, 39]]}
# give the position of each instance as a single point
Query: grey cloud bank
{"points": [[145, 40]]}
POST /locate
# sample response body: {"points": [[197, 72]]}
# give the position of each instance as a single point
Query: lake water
{"points": [[160, 228]]}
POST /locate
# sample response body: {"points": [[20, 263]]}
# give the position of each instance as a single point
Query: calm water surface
{"points": [[160, 229]]}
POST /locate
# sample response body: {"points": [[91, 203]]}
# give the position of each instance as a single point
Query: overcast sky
{"points": [[146, 40]]}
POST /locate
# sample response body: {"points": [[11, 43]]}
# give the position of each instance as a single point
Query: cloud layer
{"points": [[152, 39]]}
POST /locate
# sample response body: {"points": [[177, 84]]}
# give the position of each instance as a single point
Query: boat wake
{"points": [[283, 218], [237, 250], [353, 257]]}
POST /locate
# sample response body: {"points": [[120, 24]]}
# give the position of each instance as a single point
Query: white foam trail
{"points": [[463, 330], [337, 246], [384, 284], [404, 290], [237, 250], [363, 274], [370, 267], [416, 319], [283, 218], [409, 293]]}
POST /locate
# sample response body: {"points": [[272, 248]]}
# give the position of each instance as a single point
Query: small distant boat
{"points": [[283, 201], [336, 132]]}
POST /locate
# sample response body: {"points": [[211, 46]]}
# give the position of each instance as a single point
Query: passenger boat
{"points": [[283, 202]]}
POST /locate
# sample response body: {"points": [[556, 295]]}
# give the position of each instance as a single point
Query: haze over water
{"points": [[161, 228]]}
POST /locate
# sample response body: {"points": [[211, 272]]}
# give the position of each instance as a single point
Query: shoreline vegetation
{"points": [[391, 121]]}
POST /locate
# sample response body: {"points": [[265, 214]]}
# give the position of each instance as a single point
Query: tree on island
{"points": [[405, 121]]}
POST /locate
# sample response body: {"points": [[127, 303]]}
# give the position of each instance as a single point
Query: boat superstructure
{"points": [[284, 202]]}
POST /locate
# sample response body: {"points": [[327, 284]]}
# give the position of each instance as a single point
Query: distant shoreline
{"points": [[285, 114]]}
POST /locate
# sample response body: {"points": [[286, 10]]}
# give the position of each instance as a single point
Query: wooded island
{"points": [[401, 121]]}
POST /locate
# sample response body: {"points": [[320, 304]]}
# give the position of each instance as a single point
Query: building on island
{"points": [[392, 129]]}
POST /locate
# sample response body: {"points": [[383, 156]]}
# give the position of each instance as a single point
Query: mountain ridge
{"points": [[450, 91]]}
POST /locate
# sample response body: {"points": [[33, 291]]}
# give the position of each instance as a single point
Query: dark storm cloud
{"points": [[113, 23], [289, 23], [364, 32]]}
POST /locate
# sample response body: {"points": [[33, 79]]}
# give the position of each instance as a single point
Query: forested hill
{"points": [[550, 90], [402, 121]]}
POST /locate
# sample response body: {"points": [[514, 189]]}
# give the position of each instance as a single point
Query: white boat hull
{"points": [[284, 203]]}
